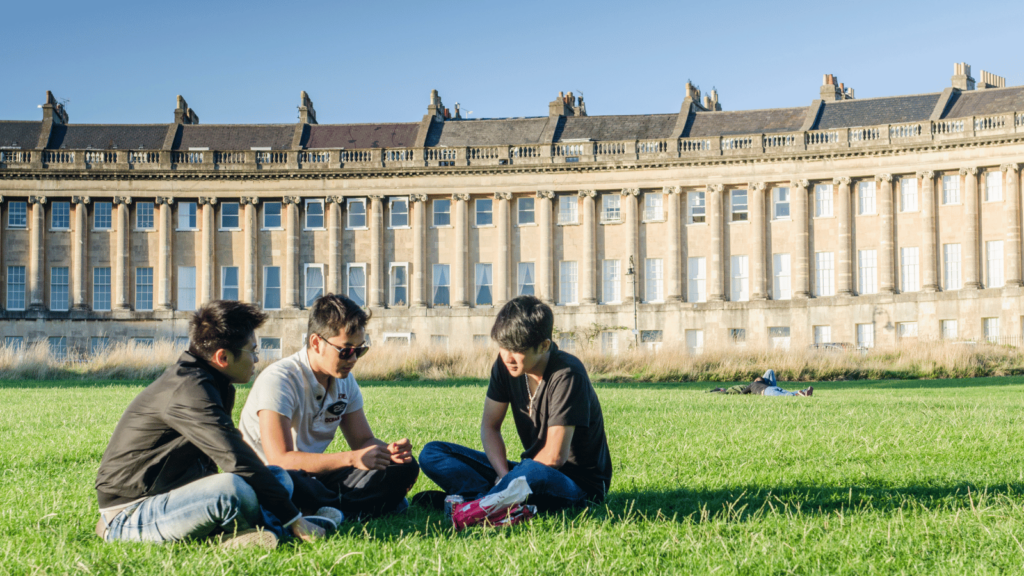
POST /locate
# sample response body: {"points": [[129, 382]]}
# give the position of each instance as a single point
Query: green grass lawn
{"points": [[919, 477]]}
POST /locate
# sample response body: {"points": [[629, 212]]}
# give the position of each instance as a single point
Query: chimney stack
{"points": [[183, 114], [990, 80], [436, 107], [307, 114], [832, 89], [53, 111], [962, 76], [566, 105]]}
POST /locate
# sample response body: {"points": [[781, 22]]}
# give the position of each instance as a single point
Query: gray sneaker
{"points": [[329, 525], [252, 538]]}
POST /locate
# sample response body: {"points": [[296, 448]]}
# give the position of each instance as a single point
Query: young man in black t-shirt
{"points": [[557, 416]]}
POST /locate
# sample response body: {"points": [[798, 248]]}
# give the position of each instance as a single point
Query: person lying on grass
{"points": [[557, 415], [158, 479], [298, 404], [765, 385]]}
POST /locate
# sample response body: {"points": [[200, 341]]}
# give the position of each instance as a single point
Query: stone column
{"points": [[164, 263], [122, 261], [758, 233], [589, 266], [80, 255], [886, 240], [802, 252], [631, 218], [504, 264], [545, 264], [334, 244], [674, 263], [1011, 186], [36, 252], [250, 262], [929, 250], [418, 275], [462, 276], [972, 244], [844, 214], [292, 273], [208, 257], [716, 223], [375, 282]]}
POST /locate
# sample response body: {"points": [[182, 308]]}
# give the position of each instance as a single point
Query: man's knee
{"points": [[432, 454], [235, 498], [284, 478]]}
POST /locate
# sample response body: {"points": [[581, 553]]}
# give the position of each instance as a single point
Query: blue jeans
{"points": [[468, 473], [212, 505], [774, 389]]}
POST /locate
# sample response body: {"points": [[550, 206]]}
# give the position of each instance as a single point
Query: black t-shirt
{"points": [[565, 397]]}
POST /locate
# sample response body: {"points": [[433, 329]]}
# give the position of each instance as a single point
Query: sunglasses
{"points": [[348, 351]]}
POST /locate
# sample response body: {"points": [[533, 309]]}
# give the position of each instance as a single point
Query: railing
{"points": [[187, 158], [779, 141], [356, 156], [695, 145], [651, 146], [431, 154], [100, 157], [272, 157], [143, 157], [905, 131], [317, 156], [484, 153], [58, 157], [865, 134], [1020, 120], [524, 152], [15, 156], [948, 127], [609, 148], [822, 137], [399, 155], [567, 150], [229, 158], [737, 143], [990, 123]]}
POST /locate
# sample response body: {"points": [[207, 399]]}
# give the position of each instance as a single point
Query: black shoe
{"points": [[431, 499]]}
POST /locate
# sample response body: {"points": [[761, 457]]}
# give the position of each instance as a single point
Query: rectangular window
{"points": [[15, 287], [58, 347], [143, 288], [654, 280], [186, 287], [951, 267], [403, 338], [143, 342], [990, 327], [272, 215], [484, 281], [994, 186], [822, 200], [994, 261], [653, 207], [271, 287], [314, 286], [740, 211], [609, 343], [781, 277], [144, 219], [865, 335], [525, 211], [356, 288], [908, 194], [696, 279], [60, 216], [17, 215], [610, 211], [314, 214], [778, 337], [356, 219], [441, 284], [822, 335], [188, 216], [98, 344], [695, 208], [567, 282], [780, 203], [484, 212], [866, 198], [568, 209], [229, 283], [740, 285], [694, 341], [270, 349], [825, 273], [652, 339], [59, 288], [181, 342], [906, 330], [949, 330], [909, 273], [738, 336], [867, 271], [229, 216], [525, 279], [103, 216], [101, 289], [13, 343], [951, 189], [482, 340], [611, 282], [442, 213], [399, 284], [399, 212], [439, 340]]}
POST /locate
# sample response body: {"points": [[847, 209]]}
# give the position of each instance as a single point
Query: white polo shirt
{"points": [[289, 388]]}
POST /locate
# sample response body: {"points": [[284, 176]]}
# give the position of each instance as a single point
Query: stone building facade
{"points": [[862, 221]]}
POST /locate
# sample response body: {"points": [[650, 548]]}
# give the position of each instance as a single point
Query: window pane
{"points": [[739, 205], [186, 288], [314, 284], [357, 284], [781, 203], [229, 283], [61, 216], [272, 215], [357, 214], [695, 207], [59, 288], [526, 211], [144, 216], [143, 288], [229, 215], [567, 209], [17, 215], [399, 286], [271, 288], [15, 287], [483, 285], [610, 282], [314, 214], [525, 279], [441, 285], [484, 214], [101, 289], [103, 216], [442, 212], [187, 216], [399, 213]]}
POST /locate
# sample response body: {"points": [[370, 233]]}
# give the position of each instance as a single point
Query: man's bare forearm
{"points": [[494, 448], [312, 463]]}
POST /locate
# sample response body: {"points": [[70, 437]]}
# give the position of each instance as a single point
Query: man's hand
{"points": [[306, 530], [401, 451], [374, 457]]}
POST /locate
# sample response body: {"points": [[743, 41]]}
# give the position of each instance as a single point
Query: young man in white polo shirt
{"points": [[298, 404]]}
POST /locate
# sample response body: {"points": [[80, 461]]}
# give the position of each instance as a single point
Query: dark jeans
{"points": [[371, 493], [468, 473]]}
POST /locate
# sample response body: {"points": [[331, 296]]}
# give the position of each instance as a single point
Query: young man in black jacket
{"points": [[158, 479]]}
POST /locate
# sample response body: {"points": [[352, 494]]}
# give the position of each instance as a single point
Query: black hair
{"points": [[333, 314], [222, 324], [523, 324]]}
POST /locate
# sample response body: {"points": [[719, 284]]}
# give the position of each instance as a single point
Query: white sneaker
{"points": [[333, 514], [251, 538]]}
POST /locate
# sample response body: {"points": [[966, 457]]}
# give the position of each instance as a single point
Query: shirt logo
{"points": [[337, 408]]}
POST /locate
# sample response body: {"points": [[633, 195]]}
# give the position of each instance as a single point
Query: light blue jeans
{"points": [[774, 389], [213, 505]]}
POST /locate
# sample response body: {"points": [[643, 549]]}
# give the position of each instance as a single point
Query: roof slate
{"points": [[634, 127], [108, 136], [745, 122], [24, 135], [235, 136], [875, 111], [486, 132], [985, 102], [362, 135]]}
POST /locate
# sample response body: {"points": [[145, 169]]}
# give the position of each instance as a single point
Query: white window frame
{"points": [[952, 271], [348, 282], [910, 269], [53, 216], [694, 341], [949, 329], [520, 211], [993, 186], [182, 291], [950, 189], [323, 214], [348, 214], [399, 338], [825, 273], [739, 274], [267, 287], [994, 271], [138, 288], [398, 201], [477, 212], [823, 195], [393, 284], [990, 329], [739, 212], [184, 226], [654, 207], [98, 344], [781, 197], [568, 283], [438, 272], [654, 280], [609, 342], [696, 279], [866, 198], [611, 208], [224, 286], [306, 302], [18, 209], [866, 335], [109, 215], [822, 335], [280, 216], [521, 270], [780, 337], [696, 207], [55, 288], [483, 271], [58, 346], [782, 276], [270, 348], [434, 212], [611, 287], [96, 289], [867, 272], [568, 210], [139, 209], [652, 339], [906, 330], [908, 195], [238, 217]]}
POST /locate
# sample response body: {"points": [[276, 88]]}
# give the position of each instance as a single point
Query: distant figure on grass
{"points": [[298, 404], [557, 415], [158, 479], [765, 385]]}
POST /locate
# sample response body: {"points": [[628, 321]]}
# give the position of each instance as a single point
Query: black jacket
{"points": [[178, 430]]}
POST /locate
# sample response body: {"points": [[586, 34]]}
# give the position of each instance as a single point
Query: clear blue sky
{"points": [[376, 61]]}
